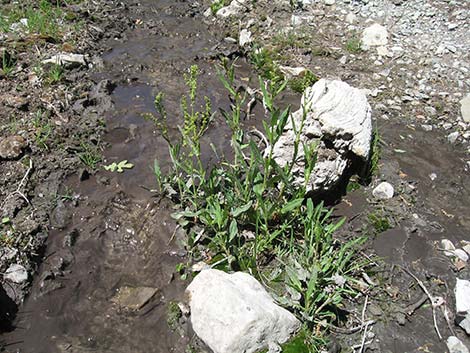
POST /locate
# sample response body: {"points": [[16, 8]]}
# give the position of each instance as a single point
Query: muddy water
{"points": [[426, 211], [120, 235]]}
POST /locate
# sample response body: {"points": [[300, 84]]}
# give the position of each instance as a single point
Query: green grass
{"points": [[247, 213], [43, 17], [298, 38], [55, 74], [89, 155], [353, 45], [217, 5], [43, 129], [379, 222]]}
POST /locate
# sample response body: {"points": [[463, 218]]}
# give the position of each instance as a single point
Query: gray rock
{"points": [[452, 137], [448, 247], [461, 254], [12, 147], [454, 345], [383, 191], [16, 273], [351, 18], [61, 215], [465, 108], [133, 298], [462, 304], [374, 36], [233, 313], [338, 120]]}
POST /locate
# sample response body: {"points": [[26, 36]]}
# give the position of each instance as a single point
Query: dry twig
{"points": [[21, 185], [435, 301]]}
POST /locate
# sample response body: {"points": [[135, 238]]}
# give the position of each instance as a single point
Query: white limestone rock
{"points": [[245, 37], [374, 36], [338, 120], [383, 191], [290, 72], [65, 59], [454, 345], [465, 108], [16, 273], [233, 313], [462, 304], [235, 8]]}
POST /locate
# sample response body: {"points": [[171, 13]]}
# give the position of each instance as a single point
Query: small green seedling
{"points": [[6, 220], [119, 167]]}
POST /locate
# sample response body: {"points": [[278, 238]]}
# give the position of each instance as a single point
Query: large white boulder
{"points": [[338, 120], [233, 313]]}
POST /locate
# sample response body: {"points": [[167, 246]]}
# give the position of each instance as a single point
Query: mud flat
{"points": [[101, 247]]}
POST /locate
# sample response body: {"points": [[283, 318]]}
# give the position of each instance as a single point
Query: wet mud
{"points": [[118, 234]]}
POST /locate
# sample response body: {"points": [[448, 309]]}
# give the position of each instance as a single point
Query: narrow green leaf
{"points": [[292, 205], [233, 230], [242, 209]]}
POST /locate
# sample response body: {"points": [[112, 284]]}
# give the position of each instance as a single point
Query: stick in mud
{"points": [[435, 301], [20, 186]]}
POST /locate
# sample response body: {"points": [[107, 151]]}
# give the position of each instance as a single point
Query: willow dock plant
{"points": [[245, 213]]}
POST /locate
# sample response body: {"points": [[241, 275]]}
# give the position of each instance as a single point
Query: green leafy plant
{"points": [[118, 167], [264, 62], [173, 315], [8, 63], [379, 221], [376, 152], [299, 84], [245, 212], [217, 5]]}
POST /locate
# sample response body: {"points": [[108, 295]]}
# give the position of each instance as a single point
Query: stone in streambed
{"points": [[133, 298], [383, 191], [454, 345], [233, 313], [462, 304], [338, 121], [16, 273]]}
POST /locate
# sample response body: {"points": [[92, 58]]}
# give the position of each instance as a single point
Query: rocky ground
{"points": [[75, 114]]}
